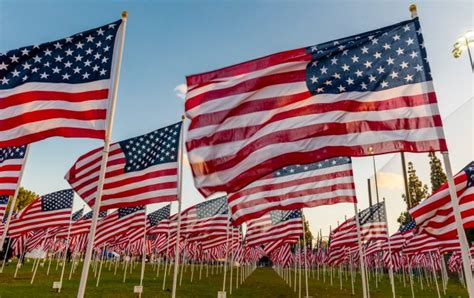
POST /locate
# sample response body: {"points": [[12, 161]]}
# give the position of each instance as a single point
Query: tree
{"points": [[437, 176], [25, 197], [417, 192], [308, 234]]}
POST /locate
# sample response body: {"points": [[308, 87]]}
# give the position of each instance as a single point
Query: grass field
{"points": [[263, 282]]}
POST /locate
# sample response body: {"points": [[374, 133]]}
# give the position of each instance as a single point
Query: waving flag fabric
{"points": [[81, 226], [356, 96], [140, 171], [51, 210], [205, 217], [373, 227], [12, 160], [435, 214], [325, 182], [118, 222], [158, 221], [401, 237], [59, 88], [3, 207], [275, 225]]}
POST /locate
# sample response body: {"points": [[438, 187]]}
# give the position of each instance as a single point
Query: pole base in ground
{"points": [[221, 294], [57, 285], [138, 289]]}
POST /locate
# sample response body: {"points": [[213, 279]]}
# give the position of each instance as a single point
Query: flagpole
{"points": [[65, 254], [361, 255], [390, 270], [105, 156], [465, 254], [15, 196], [180, 191], [305, 255], [143, 258]]}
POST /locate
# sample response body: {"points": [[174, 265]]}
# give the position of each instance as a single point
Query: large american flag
{"points": [[209, 216], [366, 94], [140, 170], [435, 214], [47, 211], [119, 222], [58, 88], [373, 227], [275, 225], [325, 182], [12, 160]]}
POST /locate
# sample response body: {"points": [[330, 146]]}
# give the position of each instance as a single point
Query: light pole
{"points": [[464, 43]]}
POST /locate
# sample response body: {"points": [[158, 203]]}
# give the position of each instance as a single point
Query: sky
{"points": [[167, 40]]}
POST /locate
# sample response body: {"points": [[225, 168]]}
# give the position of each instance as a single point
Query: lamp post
{"points": [[463, 43]]}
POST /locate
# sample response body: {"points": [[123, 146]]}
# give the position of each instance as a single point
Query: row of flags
{"points": [[276, 134]]}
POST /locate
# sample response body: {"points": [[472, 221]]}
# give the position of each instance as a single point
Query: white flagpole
{"points": [[65, 253], [305, 254], [105, 157], [180, 191], [361, 254], [15, 196], [143, 257], [390, 270], [465, 254], [226, 255]]}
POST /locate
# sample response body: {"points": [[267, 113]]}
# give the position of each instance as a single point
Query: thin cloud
{"points": [[390, 180], [180, 91]]}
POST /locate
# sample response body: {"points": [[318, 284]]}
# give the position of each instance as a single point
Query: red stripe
{"points": [[10, 168], [31, 96], [246, 86], [249, 66], [146, 176], [44, 115], [66, 132], [8, 179], [140, 190]]}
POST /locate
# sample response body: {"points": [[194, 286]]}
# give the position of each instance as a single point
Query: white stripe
{"points": [[56, 87], [140, 197], [313, 144], [147, 182], [40, 126], [44, 105]]}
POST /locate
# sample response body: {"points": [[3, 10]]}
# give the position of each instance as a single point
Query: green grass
{"points": [[263, 282]]}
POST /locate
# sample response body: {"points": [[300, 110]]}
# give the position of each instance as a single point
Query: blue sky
{"points": [[167, 40]]}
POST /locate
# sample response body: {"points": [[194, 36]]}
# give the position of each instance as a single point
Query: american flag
{"points": [[140, 170], [119, 222], [81, 226], [435, 214], [325, 182], [400, 238], [366, 94], [159, 221], [373, 227], [51, 210], [209, 216], [277, 224], [12, 160], [58, 88], [3, 207], [77, 215], [422, 242]]}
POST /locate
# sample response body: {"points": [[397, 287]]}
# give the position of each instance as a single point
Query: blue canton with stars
{"points": [[163, 213], [469, 170], [280, 216], [154, 148], [12, 153], [377, 60], [212, 207], [373, 214], [77, 215], [101, 214], [4, 200], [57, 200], [122, 212], [296, 169], [408, 227], [80, 58]]}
